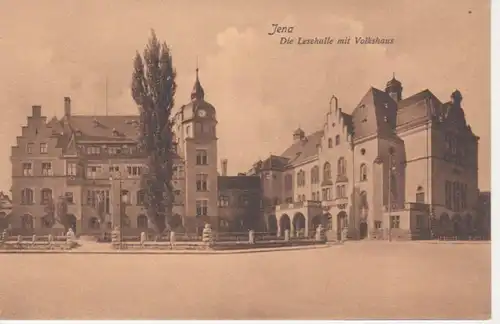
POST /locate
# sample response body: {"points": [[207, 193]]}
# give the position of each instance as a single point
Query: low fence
{"points": [[213, 240], [38, 242]]}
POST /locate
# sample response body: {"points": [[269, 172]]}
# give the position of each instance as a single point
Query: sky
{"points": [[262, 90]]}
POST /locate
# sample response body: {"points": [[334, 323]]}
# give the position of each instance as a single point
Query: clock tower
{"points": [[198, 148]]}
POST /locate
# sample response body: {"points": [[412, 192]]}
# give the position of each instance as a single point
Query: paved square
{"points": [[359, 280]]}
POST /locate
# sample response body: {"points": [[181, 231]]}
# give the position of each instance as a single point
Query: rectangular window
{"points": [[46, 196], [201, 157], [92, 171], [27, 169], [134, 171], [113, 150], [447, 194], [43, 148], [394, 221], [71, 169], [47, 169], [420, 197], [223, 201], [201, 207], [29, 148], [201, 182], [456, 196], [378, 224], [69, 197], [341, 191], [464, 197], [99, 199], [93, 150], [114, 169], [178, 171]]}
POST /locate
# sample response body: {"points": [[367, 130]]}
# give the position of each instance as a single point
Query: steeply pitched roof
{"points": [[375, 114], [417, 108], [115, 128], [303, 149]]}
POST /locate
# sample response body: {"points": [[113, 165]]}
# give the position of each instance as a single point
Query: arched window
{"points": [[420, 195], [142, 221], [330, 143], [337, 140], [341, 167], [94, 223], [363, 176], [46, 196], [315, 175], [300, 175], [141, 194], [27, 196], [327, 172], [27, 221]]}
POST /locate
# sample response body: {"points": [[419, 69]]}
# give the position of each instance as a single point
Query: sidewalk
{"points": [[107, 249]]}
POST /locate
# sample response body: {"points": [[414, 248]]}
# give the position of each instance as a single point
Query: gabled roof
{"points": [[375, 114], [303, 149]]}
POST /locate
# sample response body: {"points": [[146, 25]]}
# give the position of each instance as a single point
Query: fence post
{"points": [[207, 235], [143, 238], [70, 238], [50, 239], [115, 237], [172, 239], [251, 237], [344, 233], [287, 235], [320, 233], [4, 236]]}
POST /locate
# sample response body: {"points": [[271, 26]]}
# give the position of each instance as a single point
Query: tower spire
{"points": [[198, 93]]}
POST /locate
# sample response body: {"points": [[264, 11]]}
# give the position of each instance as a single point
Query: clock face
{"points": [[202, 113]]}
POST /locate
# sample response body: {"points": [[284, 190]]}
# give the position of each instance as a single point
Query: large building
{"points": [[88, 168], [395, 167]]}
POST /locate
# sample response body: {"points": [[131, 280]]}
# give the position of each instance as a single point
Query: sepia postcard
{"points": [[245, 160]]}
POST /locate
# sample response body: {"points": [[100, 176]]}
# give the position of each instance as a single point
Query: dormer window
{"points": [[115, 132]]}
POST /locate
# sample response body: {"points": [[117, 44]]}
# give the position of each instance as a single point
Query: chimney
{"points": [[36, 111], [67, 106], [223, 164]]}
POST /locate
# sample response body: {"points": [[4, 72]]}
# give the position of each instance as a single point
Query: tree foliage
{"points": [[153, 90]]}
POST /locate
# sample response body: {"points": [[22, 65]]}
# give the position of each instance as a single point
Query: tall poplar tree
{"points": [[153, 90]]}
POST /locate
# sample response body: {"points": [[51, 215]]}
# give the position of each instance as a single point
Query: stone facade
{"points": [[85, 171], [410, 162]]}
